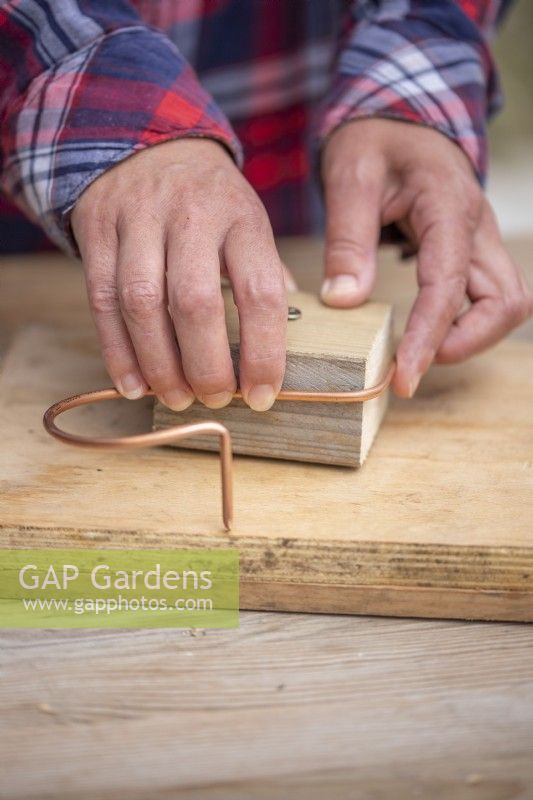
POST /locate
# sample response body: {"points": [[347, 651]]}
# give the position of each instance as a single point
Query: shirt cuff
{"points": [[404, 71], [126, 91]]}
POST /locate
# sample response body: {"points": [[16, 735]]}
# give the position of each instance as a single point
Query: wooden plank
{"points": [[297, 706], [327, 350], [434, 525]]}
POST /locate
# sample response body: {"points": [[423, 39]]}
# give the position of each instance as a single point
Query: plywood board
{"points": [[327, 350], [436, 524]]}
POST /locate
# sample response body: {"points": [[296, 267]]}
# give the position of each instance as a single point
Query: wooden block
{"points": [[327, 350]]}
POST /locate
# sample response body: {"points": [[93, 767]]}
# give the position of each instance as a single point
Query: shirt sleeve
{"points": [[83, 85], [424, 62]]}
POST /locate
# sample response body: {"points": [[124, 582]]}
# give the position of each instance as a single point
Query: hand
{"points": [[154, 233], [381, 171]]}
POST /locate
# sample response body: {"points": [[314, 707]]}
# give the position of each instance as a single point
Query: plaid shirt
{"points": [[86, 83]]}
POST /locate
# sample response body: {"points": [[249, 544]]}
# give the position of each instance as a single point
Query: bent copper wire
{"points": [[178, 432], [150, 439], [359, 396]]}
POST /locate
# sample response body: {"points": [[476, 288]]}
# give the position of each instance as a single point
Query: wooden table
{"points": [[305, 706]]}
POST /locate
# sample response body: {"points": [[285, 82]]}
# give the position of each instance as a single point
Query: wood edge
{"points": [[334, 566], [373, 411], [389, 601]]}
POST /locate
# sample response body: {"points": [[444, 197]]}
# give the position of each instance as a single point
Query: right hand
{"points": [[155, 233], [471, 294]]}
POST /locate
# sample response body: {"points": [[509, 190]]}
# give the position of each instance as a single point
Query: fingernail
{"points": [[339, 288], [218, 400], [261, 397], [131, 387], [177, 400], [413, 384]]}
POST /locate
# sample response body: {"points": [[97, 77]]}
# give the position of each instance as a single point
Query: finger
{"points": [[486, 322], [143, 302], [500, 296], [99, 251], [259, 293], [197, 310], [353, 198], [443, 258], [288, 279]]}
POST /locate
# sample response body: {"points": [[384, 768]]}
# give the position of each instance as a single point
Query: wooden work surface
{"points": [[304, 706], [436, 524]]}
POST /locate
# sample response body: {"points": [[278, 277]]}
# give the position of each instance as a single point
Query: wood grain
{"points": [[290, 705], [327, 350], [287, 706]]}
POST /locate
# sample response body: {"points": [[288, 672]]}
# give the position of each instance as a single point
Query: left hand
{"points": [[379, 171]]}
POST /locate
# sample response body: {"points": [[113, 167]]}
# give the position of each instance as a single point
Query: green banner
{"points": [[49, 588]]}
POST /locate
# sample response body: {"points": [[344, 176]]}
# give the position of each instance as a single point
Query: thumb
{"points": [[353, 212]]}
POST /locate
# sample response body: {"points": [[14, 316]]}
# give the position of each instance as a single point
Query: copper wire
{"points": [[151, 439], [359, 396], [179, 432]]}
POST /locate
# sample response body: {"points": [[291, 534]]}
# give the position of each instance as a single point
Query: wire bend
{"points": [[151, 439], [179, 432]]}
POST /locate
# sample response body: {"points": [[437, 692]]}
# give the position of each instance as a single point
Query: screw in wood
{"points": [[294, 313]]}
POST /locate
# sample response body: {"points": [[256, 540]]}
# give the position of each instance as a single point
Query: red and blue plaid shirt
{"points": [[86, 83]]}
